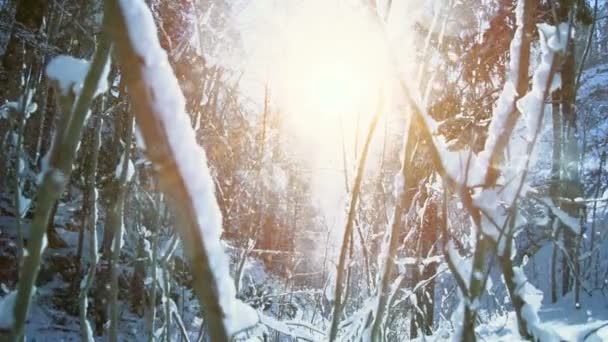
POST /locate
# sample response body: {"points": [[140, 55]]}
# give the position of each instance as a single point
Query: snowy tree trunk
{"points": [[180, 163]]}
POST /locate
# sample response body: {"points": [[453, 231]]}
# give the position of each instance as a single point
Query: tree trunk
{"points": [[554, 189], [572, 187]]}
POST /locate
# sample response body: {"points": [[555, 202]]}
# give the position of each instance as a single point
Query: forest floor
{"points": [[49, 322]]}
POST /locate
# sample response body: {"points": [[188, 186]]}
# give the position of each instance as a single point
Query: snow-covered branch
{"points": [[181, 164]]}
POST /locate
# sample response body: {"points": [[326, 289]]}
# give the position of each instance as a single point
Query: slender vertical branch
{"points": [[91, 223], [593, 218], [115, 224], [166, 300], [554, 187], [20, 209], [252, 232], [54, 182], [153, 265], [403, 202], [356, 188]]}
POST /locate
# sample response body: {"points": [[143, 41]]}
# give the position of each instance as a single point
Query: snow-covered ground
{"points": [[587, 324]]}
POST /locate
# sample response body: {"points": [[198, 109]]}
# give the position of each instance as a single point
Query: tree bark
{"points": [[572, 187], [554, 188]]}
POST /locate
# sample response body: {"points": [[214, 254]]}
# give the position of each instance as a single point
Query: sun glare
{"points": [[327, 66], [330, 68]]}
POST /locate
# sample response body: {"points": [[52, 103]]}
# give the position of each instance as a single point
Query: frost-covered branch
{"points": [[180, 163]]}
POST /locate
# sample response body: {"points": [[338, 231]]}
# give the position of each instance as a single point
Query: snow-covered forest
{"points": [[303, 170]]}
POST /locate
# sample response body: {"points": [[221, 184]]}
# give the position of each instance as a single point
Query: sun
{"points": [[330, 66], [330, 71]]}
